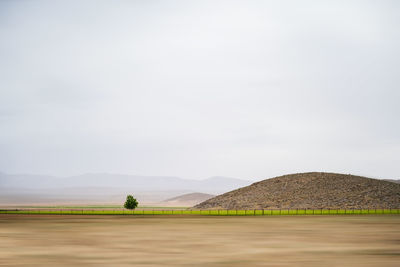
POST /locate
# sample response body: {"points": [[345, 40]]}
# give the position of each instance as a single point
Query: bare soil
{"points": [[29, 240]]}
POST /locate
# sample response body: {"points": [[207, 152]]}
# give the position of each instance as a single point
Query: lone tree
{"points": [[130, 203]]}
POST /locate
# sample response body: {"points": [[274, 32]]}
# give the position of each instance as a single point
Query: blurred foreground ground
{"points": [[58, 240]]}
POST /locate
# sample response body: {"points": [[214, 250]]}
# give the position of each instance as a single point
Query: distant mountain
{"points": [[139, 183], [106, 186], [312, 190], [189, 200]]}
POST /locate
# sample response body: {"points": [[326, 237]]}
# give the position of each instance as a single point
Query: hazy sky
{"points": [[248, 89]]}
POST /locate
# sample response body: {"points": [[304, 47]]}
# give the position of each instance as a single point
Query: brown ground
{"points": [[27, 240], [313, 190]]}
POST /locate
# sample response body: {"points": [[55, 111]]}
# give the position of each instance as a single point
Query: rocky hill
{"points": [[310, 190]]}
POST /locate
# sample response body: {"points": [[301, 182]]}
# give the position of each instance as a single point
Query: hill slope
{"points": [[188, 199], [392, 180], [191, 197], [310, 190]]}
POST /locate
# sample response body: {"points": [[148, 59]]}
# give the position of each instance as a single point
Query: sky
{"points": [[246, 89]]}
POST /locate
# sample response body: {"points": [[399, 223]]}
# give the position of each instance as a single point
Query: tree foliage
{"points": [[131, 202]]}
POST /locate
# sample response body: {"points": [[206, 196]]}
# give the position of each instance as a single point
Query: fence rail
{"points": [[216, 212]]}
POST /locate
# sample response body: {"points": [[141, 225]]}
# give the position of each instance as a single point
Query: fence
{"points": [[216, 212]]}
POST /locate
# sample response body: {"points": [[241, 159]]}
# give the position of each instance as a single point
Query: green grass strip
{"points": [[174, 211]]}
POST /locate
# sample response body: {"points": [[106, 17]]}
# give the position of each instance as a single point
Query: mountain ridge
{"points": [[105, 186]]}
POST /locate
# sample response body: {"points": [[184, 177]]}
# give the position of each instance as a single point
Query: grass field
{"points": [[182, 211], [114, 207], [47, 240]]}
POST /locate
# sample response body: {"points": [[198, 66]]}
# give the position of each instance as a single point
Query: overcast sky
{"points": [[247, 89]]}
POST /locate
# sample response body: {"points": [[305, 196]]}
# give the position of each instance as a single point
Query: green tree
{"points": [[130, 203]]}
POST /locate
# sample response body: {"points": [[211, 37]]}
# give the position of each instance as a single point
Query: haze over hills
{"points": [[190, 199], [313, 190], [105, 187]]}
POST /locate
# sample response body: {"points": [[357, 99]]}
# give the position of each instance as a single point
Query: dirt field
{"points": [[28, 240]]}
